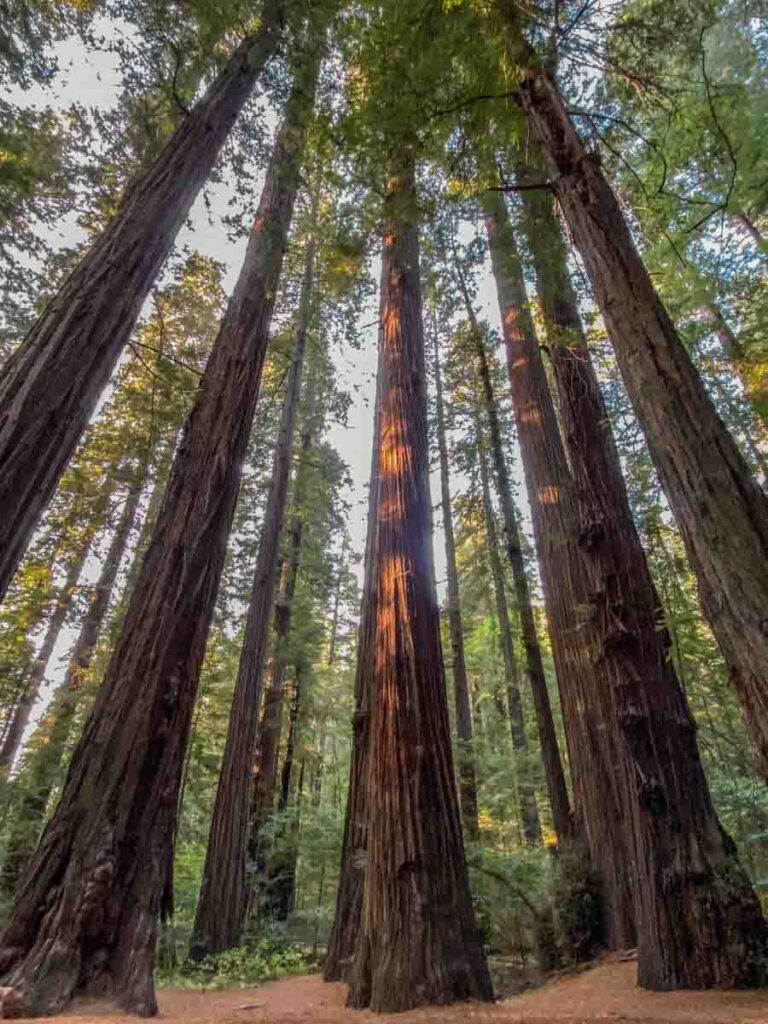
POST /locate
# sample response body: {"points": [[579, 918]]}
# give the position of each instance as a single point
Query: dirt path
{"points": [[605, 993]]}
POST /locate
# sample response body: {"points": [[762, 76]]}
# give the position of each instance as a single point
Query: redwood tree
{"points": [[699, 921], [418, 942], [598, 771], [51, 384], [85, 915], [720, 508], [223, 900]]}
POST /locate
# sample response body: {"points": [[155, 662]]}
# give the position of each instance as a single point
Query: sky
{"points": [[93, 80]]}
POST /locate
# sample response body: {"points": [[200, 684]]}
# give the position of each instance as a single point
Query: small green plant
{"points": [[257, 962]]}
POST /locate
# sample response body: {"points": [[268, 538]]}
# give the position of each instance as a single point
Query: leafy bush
{"points": [[270, 957]]}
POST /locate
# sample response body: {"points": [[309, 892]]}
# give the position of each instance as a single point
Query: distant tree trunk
{"points": [[561, 810], [699, 921], [161, 470], [597, 769], [51, 384], [223, 901], [553, 766], [86, 910], [333, 639], [264, 786], [466, 756], [418, 942], [339, 955], [34, 680], [729, 343], [282, 863], [42, 769], [720, 509]]}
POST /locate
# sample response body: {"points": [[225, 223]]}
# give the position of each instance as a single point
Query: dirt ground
{"points": [[604, 993]]}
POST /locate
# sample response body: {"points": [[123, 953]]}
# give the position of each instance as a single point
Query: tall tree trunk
{"points": [[720, 509], [48, 745], [34, 680], [418, 942], [51, 384], [699, 922], [553, 766], [561, 810], [86, 909], [339, 957], [466, 755], [597, 769], [223, 900], [264, 786], [281, 868], [333, 639]]}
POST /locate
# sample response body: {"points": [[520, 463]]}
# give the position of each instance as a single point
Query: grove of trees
{"points": [[506, 697]]}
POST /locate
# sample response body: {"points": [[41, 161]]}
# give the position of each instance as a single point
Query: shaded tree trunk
{"points": [[339, 957], [281, 885], [720, 509], [418, 942], [264, 785], [561, 811], [223, 901], [48, 745], [333, 639], [51, 384], [86, 911], [466, 756], [553, 767], [699, 921], [597, 769]]}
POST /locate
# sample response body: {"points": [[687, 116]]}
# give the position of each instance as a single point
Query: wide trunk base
{"points": [[403, 976], [712, 934], [53, 973]]}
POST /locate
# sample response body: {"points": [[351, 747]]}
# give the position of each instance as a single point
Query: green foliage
{"points": [[271, 956]]}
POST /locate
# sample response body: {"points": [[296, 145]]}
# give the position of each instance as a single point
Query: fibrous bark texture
{"points": [[223, 901], [86, 910], [51, 384], [597, 768], [720, 509], [418, 942], [699, 921]]}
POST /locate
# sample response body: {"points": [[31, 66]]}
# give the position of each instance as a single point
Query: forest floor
{"points": [[606, 992]]}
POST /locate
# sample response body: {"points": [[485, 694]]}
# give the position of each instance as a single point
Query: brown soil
{"points": [[605, 993]]}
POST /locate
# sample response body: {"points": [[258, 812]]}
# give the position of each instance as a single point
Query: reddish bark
{"points": [[561, 811], [86, 911], [224, 899], [720, 509], [50, 386], [699, 921], [418, 942], [597, 768]]}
